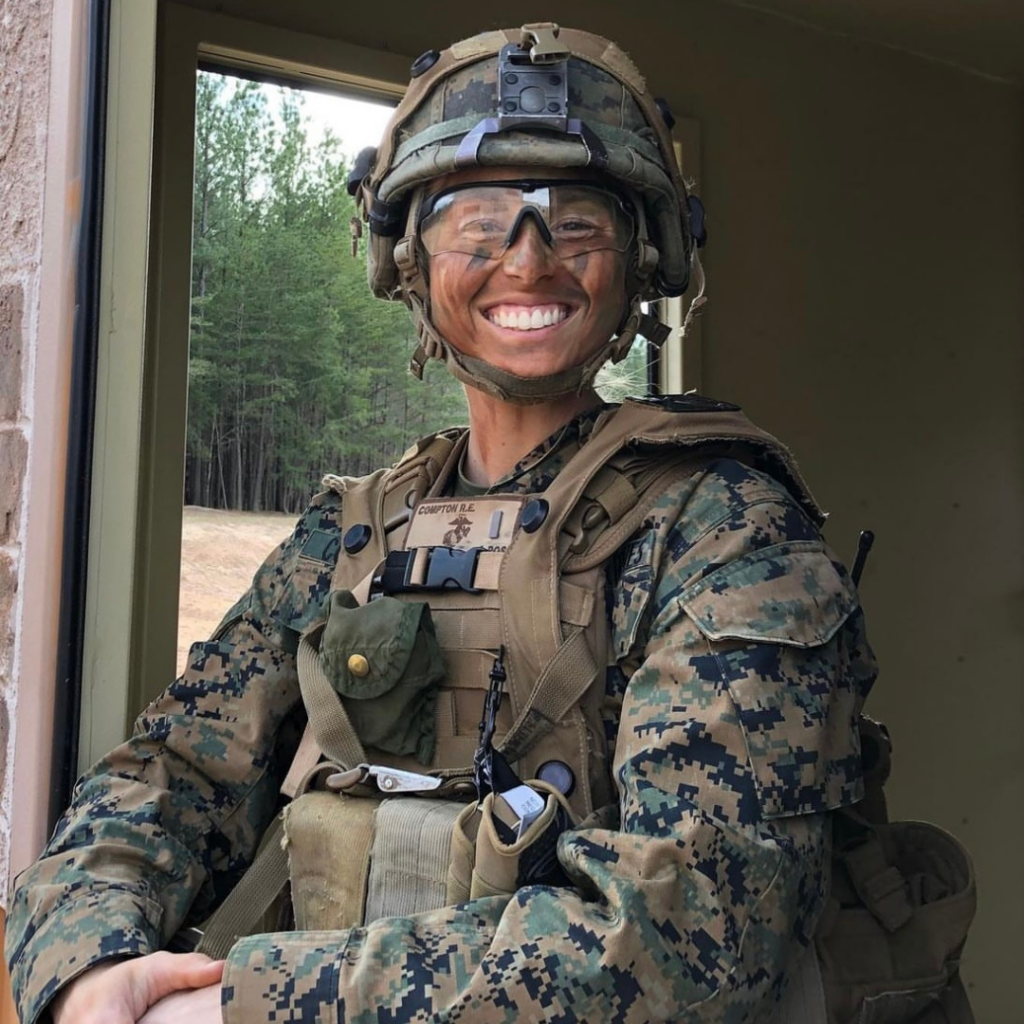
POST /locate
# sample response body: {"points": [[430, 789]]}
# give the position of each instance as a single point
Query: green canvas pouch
{"points": [[384, 660]]}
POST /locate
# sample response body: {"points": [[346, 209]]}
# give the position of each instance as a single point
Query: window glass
{"points": [[295, 369]]}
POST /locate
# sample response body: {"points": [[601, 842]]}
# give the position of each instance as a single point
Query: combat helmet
{"points": [[537, 96]]}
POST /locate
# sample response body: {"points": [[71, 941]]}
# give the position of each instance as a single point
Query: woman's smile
{"points": [[526, 311], [527, 318]]}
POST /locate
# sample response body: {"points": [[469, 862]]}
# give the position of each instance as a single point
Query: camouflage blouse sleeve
{"points": [[747, 664], [163, 827]]}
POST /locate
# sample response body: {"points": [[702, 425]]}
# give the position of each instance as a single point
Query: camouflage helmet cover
{"points": [[452, 116]]}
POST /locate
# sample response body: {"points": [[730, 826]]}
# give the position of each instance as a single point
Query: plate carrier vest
{"points": [[542, 601]]}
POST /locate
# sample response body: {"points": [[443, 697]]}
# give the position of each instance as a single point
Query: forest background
{"points": [[295, 369]]}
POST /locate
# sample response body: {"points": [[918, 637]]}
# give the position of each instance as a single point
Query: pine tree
{"points": [[295, 369]]}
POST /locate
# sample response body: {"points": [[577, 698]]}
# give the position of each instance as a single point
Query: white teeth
{"points": [[528, 320]]}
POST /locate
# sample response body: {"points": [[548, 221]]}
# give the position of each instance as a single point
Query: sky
{"points": [[358, 123]]}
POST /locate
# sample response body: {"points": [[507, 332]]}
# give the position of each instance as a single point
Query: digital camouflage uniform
{"points": [[741, 667]]}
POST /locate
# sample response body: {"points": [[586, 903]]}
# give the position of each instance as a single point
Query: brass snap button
{"points": [[358, 665]]}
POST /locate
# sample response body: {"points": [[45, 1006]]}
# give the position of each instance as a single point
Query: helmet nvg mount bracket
{"points": [[543, 97]]}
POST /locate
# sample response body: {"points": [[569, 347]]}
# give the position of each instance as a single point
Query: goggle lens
{"points": [[484, 219]]}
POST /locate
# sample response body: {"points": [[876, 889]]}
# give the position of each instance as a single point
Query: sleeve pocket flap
{"points": [[788, 594]]}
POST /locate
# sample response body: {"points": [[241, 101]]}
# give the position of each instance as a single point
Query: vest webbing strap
{"points": [[250, 899], [480, 630], [879, 883], [410, 856], [619, 532], [306, 757], [488, 569], [558, 689], [567, 676], [327, 716], [612, 491]]}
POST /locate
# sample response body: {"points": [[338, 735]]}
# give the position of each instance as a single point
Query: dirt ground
{"points": [[220, 551]]}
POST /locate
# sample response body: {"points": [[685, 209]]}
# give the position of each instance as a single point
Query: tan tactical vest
{"points": [[537, 593], [541, 598]]}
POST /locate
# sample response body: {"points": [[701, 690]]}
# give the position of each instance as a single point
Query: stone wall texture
{"points": [[24, 102]]}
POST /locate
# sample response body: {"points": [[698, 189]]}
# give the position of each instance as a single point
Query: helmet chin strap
{"points": [[510, 387]]}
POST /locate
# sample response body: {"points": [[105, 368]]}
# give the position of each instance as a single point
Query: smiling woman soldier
{"points": [[636, 601]]}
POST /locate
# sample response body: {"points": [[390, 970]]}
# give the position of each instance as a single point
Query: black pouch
{"points": [[384, 660]]}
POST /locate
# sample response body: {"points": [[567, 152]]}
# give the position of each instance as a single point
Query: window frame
{"points": [[142, 370]]}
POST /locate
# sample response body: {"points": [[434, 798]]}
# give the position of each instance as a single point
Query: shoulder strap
{"points": [[250, 899], [572, 670], [328, 720]]}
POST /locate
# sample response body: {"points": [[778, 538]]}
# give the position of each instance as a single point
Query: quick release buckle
{"points": [[389, 780], [542, 38], [446, 569]]}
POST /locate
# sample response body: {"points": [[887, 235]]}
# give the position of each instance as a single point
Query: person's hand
{"points": [[194, 1006], [122, 992]]}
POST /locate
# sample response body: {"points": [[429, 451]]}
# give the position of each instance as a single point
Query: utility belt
{"points": [[399, 855], [353, 860], [358, 844]]}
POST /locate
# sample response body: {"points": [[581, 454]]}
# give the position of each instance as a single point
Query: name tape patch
{"points": [[488, 523]]}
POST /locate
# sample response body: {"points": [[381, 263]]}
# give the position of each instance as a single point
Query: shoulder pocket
{"points": [[786, 629], [783, 594]]}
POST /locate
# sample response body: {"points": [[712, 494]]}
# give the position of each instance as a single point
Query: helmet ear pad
{"points": [[381, 271]]}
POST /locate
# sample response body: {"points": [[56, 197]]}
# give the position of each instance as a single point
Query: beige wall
{"points": [[866, 265], [24, 104], [865, 269]]}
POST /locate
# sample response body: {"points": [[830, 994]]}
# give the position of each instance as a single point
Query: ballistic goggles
{"points": [[485, 218]]}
